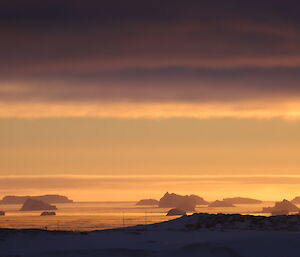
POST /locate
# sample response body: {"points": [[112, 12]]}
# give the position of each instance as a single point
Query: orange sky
{"points": [[151, 147], [146, 146], [143, 88]]}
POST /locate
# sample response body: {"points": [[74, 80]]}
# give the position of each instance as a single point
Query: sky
{"points": [[190, 91]]}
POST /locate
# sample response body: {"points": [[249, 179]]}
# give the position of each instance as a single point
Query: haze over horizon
{"points": [[207, 90]]}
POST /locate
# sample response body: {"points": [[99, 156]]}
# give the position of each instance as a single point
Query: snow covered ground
{"points": [[171, 238]]}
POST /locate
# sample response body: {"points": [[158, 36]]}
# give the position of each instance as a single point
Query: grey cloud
{"points": [[161, 84], [156, 51]]}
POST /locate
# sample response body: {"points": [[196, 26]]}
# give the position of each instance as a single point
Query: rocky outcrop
{"points": [[176, 212], [204, 221], [199, 200], [36, 205], [147, 202], [296, 200], [186, 203], [277, 213], [242, 200], [284, 206], [48, 213], [188, 206], [45, 198], [219, 203]]}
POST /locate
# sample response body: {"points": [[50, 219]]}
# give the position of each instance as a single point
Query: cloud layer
{"points": [[231, 56]]}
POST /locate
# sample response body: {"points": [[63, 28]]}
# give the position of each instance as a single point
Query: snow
{"points": [[171, 238]]}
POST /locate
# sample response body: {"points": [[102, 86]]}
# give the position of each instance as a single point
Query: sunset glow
{"points": [[131, 90]]}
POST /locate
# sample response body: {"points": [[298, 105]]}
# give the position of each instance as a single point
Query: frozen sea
{"points": [[88, 216]]}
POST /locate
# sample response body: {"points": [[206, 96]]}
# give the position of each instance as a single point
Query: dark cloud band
{"points": [[159, 51]]}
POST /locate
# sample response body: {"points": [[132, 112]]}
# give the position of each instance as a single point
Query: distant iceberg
{"points": [[36, 205]]}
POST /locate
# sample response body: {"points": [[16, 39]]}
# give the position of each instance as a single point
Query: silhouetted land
{"points": [[242, 200], [10, 199], [296, 200], [147, 202], [185, 203], [219, 203], [36, 205], [209, 235], [283, 207]]}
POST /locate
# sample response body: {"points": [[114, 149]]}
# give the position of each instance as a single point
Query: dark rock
{"points": [[2, 213], [147, 202], [296, 200], [242, 222], [218, 203], [188, 206], [187, 202], [45, 198], [48, 213], [284, 206], [277, 213], [242, 200], [36, 205], [175, 212], [199, 200]]}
